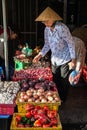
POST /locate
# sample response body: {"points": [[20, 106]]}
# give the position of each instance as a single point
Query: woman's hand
{"points": [[37, 58], [72, 64], [74, 77]]}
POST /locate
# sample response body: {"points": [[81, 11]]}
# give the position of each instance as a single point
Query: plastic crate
{"points": [[7, 109], [19, 64], [5, 121], [52, 106], [14, 125], [84, 73], [21, 106]]}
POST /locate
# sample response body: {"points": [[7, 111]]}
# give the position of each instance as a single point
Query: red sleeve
{"points": [[1, 30]]}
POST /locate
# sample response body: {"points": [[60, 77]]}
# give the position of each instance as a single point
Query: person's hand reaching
{"points": [[37, 58]]}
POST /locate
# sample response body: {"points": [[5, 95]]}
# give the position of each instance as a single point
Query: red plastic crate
{"points": [[84, 73], [7, 109]]}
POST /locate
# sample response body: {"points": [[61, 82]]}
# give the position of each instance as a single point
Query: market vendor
{"points": [[12, 34], [59, 40]]}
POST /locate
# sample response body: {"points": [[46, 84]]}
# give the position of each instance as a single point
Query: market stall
{"points": [[31, 90]]}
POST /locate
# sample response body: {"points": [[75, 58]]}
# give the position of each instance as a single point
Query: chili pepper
{"points": [[29, 107], [37, 123], [18, 118], [28, 115]]}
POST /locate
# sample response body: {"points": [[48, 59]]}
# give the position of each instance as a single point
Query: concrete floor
{"points": [[73, 113]]}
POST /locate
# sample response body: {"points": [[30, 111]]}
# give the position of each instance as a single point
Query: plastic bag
{"points": [[74, 77]]}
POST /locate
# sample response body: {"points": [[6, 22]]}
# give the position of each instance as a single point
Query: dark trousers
{"points": [[60, 77], [11, 68]]}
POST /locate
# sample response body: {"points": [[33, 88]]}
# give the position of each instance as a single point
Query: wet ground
{"points": [[74, 127], [73, 113]]}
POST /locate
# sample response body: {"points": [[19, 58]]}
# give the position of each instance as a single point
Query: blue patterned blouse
{"points": [[61, 44]]}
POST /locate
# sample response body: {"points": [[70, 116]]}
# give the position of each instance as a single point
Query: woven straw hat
{"points": [[48, 14]]}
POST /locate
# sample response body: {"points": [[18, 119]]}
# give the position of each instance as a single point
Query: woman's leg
{"points": [[60, 77], [64, 81]]}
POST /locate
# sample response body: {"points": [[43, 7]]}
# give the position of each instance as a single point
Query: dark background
{"points": [[22, 13]]}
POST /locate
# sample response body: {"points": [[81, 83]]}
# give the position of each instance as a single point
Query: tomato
{"points": [[32, 112], [43, 119], [46, 108], [18, 118], [41, 111], [28, 115], [36, 116], [53, 122], [37, 107], [52, 114]]}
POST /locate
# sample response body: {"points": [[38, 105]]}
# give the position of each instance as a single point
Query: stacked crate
{"points": [[40, 72], [23, 104]]}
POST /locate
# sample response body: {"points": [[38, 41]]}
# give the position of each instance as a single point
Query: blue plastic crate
{"points": [[5, 122]]}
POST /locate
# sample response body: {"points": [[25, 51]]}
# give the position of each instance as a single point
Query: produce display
{"points": [[36, 116], [32, 73], [46, 85], [22, 62], [40, 64], [33, 92], [23, 58], [26, 62], [38, 91], [8, 91]]}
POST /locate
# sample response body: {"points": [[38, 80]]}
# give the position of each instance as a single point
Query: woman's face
{"points": [[48, 23], [13, 35]]}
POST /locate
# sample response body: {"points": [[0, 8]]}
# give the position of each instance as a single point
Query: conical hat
{"points": [[48, 14]]}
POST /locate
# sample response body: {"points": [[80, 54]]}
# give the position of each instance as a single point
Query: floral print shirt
{"points": [[61, 44]]}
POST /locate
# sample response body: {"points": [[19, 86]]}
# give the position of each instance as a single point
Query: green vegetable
{"points": [[24, 119], [28, 121]]}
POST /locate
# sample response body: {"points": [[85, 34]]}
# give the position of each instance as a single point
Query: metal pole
{"points": [[5, 38]]}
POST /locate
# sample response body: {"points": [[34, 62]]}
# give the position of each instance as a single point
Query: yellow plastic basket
{"points": [[14, 124], [21, 106]]}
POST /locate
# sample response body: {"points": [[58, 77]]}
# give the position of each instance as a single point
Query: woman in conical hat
{"points": [[59, 40]]}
